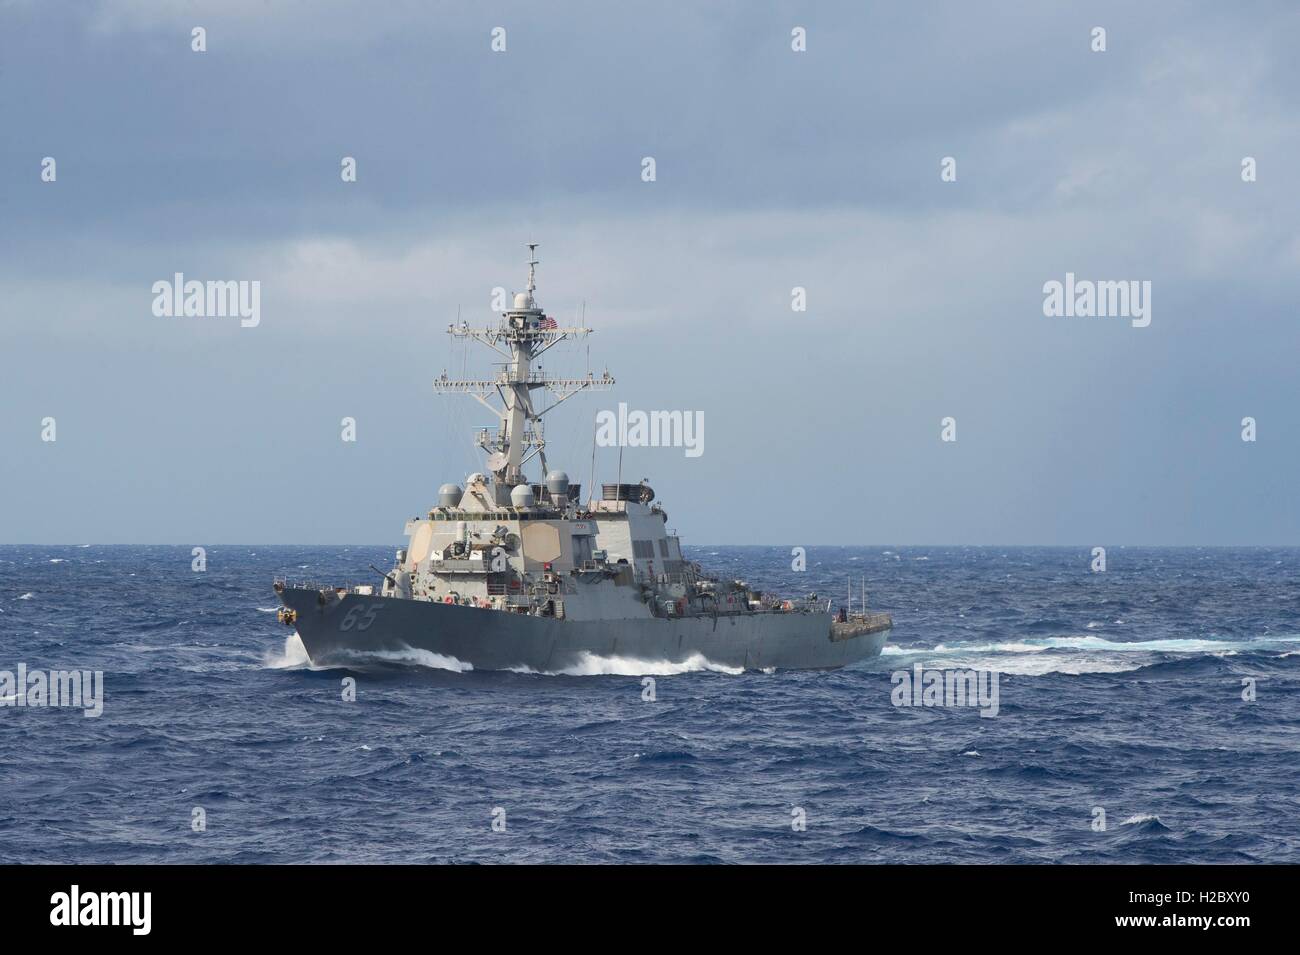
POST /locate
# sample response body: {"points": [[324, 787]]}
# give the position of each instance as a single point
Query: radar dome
{"points": [[521, 300], [522, 496], [557, 483], [449, 495]]}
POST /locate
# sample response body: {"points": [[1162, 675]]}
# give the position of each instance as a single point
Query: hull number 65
{"points": [[361, 617]]}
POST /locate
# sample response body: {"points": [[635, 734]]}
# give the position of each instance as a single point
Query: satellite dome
{"points": [[521, 300], [449, 495], [476, 478], [522, 496], [557, 483]]}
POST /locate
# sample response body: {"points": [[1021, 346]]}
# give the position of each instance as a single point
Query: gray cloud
{"points": [[775, 170]]}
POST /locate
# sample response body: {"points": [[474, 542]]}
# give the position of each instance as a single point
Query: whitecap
{"points": [[891, 648], [1176, 645], [592, 664], [1040, 644], [1139, 819], [1014, 659], [1052, 663], [417, 657]]}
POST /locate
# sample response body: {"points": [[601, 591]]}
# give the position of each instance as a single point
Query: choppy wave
{"points": [[413, 656], [599, 773], [1038, 645], [294, 657], [592, 664], [1140, 818], [1075, 655]]}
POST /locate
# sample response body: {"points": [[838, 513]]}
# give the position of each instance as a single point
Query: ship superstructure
{"points": [[507, 572]]}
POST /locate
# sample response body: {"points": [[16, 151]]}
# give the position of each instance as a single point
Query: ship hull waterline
{"points": [[356, 627]]}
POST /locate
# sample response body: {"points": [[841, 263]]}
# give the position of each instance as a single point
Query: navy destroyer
{"points": [[508, 573]]}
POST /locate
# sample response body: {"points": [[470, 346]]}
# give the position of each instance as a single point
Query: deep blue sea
{"points": [[1119, 691]]}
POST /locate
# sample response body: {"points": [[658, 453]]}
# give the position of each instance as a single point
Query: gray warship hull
{"points": [[355, 628], [507, 573]]}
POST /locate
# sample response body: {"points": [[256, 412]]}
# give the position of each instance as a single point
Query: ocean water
{"points": [[1119, 691]]}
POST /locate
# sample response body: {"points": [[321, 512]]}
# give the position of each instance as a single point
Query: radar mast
{"points": [[524, 334]]}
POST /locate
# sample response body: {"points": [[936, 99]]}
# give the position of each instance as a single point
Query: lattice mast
{"points": [[524, 335]]}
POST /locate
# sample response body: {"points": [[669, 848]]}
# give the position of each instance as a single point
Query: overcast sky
{"points": [[775, 169]]}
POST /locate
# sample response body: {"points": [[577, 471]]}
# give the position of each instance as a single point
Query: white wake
{"points": [[294, 657], [416, 657], [592, 664], [1072, 655]]}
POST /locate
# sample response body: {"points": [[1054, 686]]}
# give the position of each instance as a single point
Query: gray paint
{"points": [[501, 580], [493, 640]]}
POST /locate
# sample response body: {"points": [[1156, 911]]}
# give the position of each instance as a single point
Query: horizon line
{"points": [[684, 544]]}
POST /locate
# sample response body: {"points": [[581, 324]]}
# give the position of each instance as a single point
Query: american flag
{"points": [[546, 322]]}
